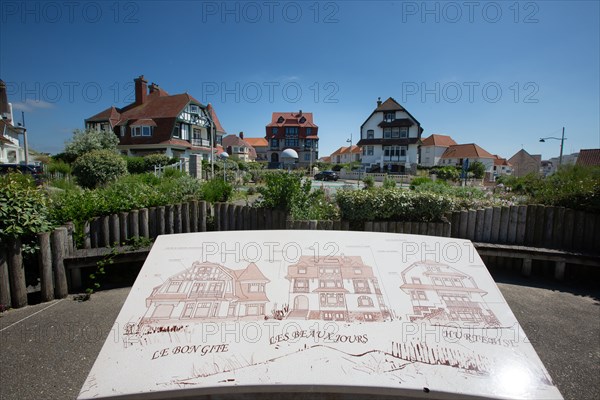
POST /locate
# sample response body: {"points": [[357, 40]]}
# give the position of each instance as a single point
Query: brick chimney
{"points": [[378, 101], [153, 87], [5, 111], [141, 89], [241, 135]]}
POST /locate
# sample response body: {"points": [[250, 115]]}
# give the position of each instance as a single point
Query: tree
{"points": [[85, 141], [478, 169]]}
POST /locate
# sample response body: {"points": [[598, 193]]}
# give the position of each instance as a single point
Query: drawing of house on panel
{"points": [[208, 291], [338, 288], [442, 294]]}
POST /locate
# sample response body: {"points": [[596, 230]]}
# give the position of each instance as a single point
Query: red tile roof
{"points": [[439, 140], [257, 142], [234, 140], [215, 119], [292, 118], [501, 161], [390, 105], [144, 122], [470, 150], [589, 157]]}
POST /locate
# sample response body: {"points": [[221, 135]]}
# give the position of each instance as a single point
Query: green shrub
{"points": [[447, 173], [217, 190], [389, 183], [98, 167], [572, 186], [282, 190], [135, 165], [64, 184], [369, 182], [89, 140], [315, 206], [477, 168], [152, 160], [59, 166], [23, 207], [173, 173], [392, 204], [419, 181]]}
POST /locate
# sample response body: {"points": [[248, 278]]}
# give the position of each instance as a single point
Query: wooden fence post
{"points": [[504, 219], [124, 226], [202, 216], [104, 231], [144, 226], [479, 223], [496, 215], [512, 224], [45, 264], [239, 218], [194, 216], [95, 233], [178, 218], [152, 222], [57, 245], [521, 224], [134, 223], [115, 232], [471, 225], [70, 237], [185, 217], [464, 224], [487, 225], [232, 215], [160, 220], [87, 240], [4, 278], [455, 219], [169, 220], [16, 273]]}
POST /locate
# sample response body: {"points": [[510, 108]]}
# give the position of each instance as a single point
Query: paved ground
{"points": [[47, 350]]}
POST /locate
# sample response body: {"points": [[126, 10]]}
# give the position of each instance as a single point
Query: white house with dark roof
{"points": [[389, 139]]}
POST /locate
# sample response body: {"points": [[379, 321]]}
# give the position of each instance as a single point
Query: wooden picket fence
{"points": [[533, 226]]}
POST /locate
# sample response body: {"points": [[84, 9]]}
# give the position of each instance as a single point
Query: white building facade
{"points": [[389, 139]]}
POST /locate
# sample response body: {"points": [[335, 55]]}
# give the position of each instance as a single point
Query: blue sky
{"points": [[500, 74]]}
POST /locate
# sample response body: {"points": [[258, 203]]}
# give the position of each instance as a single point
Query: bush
{"points": [[315, 206], [58, 166], [369, 182], [572, 186], [135, 165], [23, 207], [447, 173], [98, 167], [216, 190], [152, 160], [389, 183], [477, 168], [282, 190], [392, 204], [419, 181]]}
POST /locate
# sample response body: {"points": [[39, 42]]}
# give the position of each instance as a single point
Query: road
{"points": [[47, 350]]}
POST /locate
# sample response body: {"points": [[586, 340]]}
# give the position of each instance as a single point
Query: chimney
{"points": [[378, 101], [153, 88], [141, 89], [241, 135], [5, 112], [300, 114]]}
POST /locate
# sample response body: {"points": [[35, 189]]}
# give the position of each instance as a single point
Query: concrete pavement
{"points": [[47, 350]]}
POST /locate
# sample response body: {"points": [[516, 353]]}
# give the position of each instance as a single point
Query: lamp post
{"points": [[359, 170], [562, 143], [224, 156], [21, 128]]}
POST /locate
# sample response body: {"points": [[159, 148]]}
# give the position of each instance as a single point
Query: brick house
{"points": [[291, 130], [524, 163], [239, 147], [157, 122], [389, 139]]}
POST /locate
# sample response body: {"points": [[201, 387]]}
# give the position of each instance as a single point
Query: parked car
{"points": [[35, 171], [326, 176]]}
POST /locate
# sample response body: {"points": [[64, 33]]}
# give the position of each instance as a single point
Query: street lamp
{"points": [[224, 156], [359, 169], [562, 143]]}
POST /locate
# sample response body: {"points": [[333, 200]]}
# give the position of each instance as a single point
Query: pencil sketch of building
{"points": [[340, 288], [443, 294], [207, 291]]}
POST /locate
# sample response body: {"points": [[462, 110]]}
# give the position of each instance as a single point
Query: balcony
{"points": [[200, 142], [394, 159]]}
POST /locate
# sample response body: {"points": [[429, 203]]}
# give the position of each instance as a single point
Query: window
{"points": [[370, 134], [135, 131], [147, 130], [361, 286], [188, 310], [280, 120], [302, 120], [274, 142], [416, 281], [291, 131], [365, 301], [123, 128], [291, 142], [162, 311], [369, 150], [404, 132], [301, 270], [357, 271], [332, 299], [387, 133], [395, 132], [418, 295], [274, 131], [306, 156], [389, 116], [202, 310], [176, 129], [174, 287], [185, 131], [194, 109], [256, 287], [308, 131]]}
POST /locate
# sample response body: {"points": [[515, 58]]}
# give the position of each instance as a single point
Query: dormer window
{"points": [[194, 109], [389, 116], [142, 131], [280, 120], [302, 120]]}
